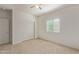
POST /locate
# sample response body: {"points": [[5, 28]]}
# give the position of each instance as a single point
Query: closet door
{"points": [[4, 30]]}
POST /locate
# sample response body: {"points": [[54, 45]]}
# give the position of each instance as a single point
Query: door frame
{"points": [[10, 26]]}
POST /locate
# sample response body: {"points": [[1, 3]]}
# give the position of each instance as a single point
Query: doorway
{"points": [[5, 26]]}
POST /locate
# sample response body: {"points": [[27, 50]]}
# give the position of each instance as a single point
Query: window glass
{"points": [[53, 25]]}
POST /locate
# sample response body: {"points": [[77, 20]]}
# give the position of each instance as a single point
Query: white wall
{"points": [[23, 26], [69, 24]]}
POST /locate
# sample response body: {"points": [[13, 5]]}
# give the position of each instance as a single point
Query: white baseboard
{"points": [[58, 43], [19, 41]]}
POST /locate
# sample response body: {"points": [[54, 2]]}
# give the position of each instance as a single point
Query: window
{"points": [[49, 25], [53, 25]]}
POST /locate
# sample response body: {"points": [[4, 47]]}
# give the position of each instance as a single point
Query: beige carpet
{"points": [[35, 46]]}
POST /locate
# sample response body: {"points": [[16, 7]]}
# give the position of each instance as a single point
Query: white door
{"points": [[4, 30]]}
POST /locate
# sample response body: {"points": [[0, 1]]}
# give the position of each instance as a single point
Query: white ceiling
{"points": [[34, 11]]}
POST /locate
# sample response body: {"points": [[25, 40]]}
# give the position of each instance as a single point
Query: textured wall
{"points": [[23, 26]]}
